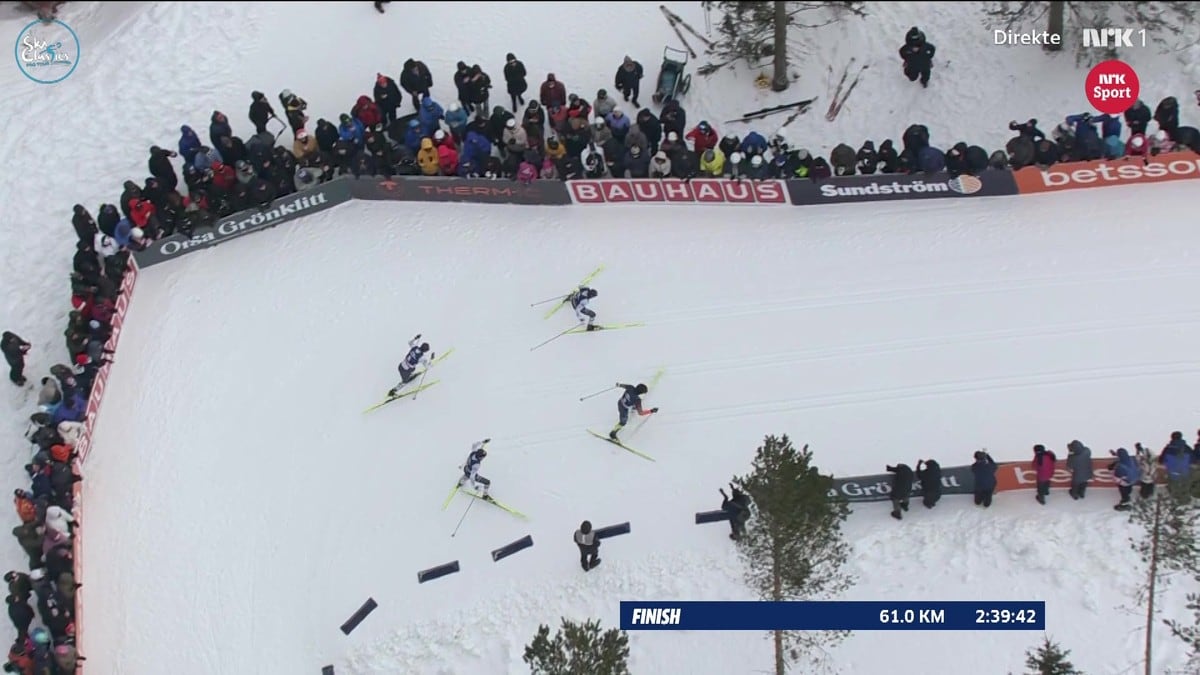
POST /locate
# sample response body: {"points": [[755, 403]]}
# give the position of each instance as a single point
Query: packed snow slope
{"points": [[246, 506]]}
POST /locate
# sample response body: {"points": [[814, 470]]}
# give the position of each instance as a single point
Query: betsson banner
{"points": [[1163, 168]]}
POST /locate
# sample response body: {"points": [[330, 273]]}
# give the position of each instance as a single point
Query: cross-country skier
{"points": [[417, 355], [630, 400], [579, 302], [471, 469]]}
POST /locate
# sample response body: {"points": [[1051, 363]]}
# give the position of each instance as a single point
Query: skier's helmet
{"points": [[424, 346], [593, 292], [641, 389], [285, 94]]}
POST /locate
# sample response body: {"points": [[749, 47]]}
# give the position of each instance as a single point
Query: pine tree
{"points": [[1049, 659], [746, 30], [1168, 544], [1189, 632], [1171, 25], [578, 649], [794, 548]]}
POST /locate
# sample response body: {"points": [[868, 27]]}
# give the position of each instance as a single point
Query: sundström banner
{"points": [[893, 186]]}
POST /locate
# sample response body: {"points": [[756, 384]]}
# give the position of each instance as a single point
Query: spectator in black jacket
{"points": [[15, 349], [514, 79], [629, 80], [1138, 118], [984, 472], [260, 111], [416, 80], [930, 474], [85, 225], [1167, 115], [901, 488], [1028, 129], [387, 97]]}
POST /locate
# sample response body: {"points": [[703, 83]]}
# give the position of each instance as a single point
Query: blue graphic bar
{"points": [[767, 616]]}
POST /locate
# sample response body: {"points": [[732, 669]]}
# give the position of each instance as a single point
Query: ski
{"points": [[838, 91], [802, 107], [836, 107], [613, 326], [495, 503], [400, 395], [586, 280], [450, 498], [621, 445]]}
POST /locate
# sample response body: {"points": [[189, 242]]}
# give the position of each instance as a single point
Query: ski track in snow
{"points": [[194, 553]]}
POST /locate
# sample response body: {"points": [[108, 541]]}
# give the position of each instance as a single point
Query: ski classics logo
{"points": [[1073, 175], [1112, 87], [848, 189], [697, 191], [47, 51]]}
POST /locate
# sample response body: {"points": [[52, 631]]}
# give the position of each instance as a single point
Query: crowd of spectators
{"points": [[557, 135]]}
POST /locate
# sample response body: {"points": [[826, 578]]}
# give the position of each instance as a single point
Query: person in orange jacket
{"points": [[26, 508]]}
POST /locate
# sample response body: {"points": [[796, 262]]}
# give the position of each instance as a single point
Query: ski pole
{"points": [[422, 382], [560, 297], [464, 517], [553, 338], [605, 391]]}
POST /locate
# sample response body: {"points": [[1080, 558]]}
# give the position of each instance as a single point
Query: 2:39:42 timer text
{"points": [[1005, 616]]}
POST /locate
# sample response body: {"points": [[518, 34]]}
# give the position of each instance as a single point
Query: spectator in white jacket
{"points": [[59, 520], [70, 431]]}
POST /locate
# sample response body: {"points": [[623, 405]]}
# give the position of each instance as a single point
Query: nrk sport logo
{"points": [[47, 51], [1112, 87]]}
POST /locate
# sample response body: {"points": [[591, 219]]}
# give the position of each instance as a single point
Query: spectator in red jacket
{"points": [[367, 112], [1043, 466], [447, 160], [224, 177], [553, 92], [703, 137]]}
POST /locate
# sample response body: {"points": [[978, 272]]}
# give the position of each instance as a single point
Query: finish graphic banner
{"points": [[855, 616]]}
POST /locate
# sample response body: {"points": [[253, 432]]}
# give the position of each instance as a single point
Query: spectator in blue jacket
{"points": [[753, 144], [351, 130], [619, 123], [477, 147], [984, 472], [1110, 125], [412, 136], [71, 410], [456, 119], [1176, 457], [1088, 145], [123, 233], [429, 115], [467, 168], [189, 143], [1125, 470]]}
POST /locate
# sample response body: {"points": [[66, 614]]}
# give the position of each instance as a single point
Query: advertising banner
{"points": [[893, 186], [675, 191], [280, 211], [1171, 166], [471, 190], [96, 395], [958, 480]]}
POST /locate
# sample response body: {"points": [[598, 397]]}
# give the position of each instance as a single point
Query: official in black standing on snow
{"points": [[917, 54], [260, 111], [15, 349], [628, 80], [589, 546], [901, 488]]}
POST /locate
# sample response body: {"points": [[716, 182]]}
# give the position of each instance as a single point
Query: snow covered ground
{"points": [[240, 506]]}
